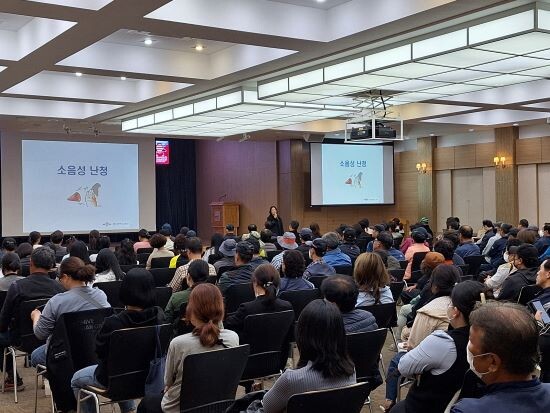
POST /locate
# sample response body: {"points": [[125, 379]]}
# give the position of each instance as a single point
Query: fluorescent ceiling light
{"points": [[502, 27], [539, 71], [388, 58], [183, 111], [543, 20], [367, 81], [146, 120], [413, 85], [273, 88], [465, 58], [520, 45], [349, 68], [148, 42], [459, 76], [229, 99], [204, 105], [331, 90], [129, 124], [305, 79], [164, 116], [514, 64], [456, 89], [412, 70], [543, 54], [438, 44], [502, 80]]}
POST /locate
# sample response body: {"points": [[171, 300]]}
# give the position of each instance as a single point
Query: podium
{"points": [[223, 213]]}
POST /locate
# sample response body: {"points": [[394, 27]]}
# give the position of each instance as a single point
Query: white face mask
{"points": [[470, 357], [505, 256], [541, 232], [309, 253]]}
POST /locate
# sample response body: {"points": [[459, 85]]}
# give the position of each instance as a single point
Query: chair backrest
{"points": [[464, 268], [25, 270], [271, 254], [162, 296], [466, 278], [415, 276], [349, 399], [126, 268], [403, 264], [128, 363], [221, 369], [161, 262], [364, 349], [474, 263], [396, 288], [417, 259], [385, 314], [528, 293], [112, 291], [343, 269], [142, 257], [299, 299], [162, 276], [237, 294], [317, 280], [3, 295], [144, 250], [225, 268], [28, 341], [397, 274]]}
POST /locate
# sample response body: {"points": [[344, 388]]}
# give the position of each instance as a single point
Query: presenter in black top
{"points": [[275, 221]]}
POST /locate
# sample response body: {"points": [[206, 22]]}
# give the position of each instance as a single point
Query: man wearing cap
{"points": [[384, 242], [334, 255], [526, 261], [243, 274], [227, 251], [257, 259], [348, 247], [287, 242], [306, 234], [317, 250], [378, 228], [419, 236], [166, 230]]}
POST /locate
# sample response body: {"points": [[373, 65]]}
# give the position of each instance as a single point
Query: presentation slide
{"points": [[77, 186], [351, 174]]}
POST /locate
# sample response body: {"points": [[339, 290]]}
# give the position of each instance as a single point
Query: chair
{"points": [[27, 342], [415, 276], [237, 294], [396, 288], [162, 296], [397, 274], [112, 291], [25, 270], [417, 259], [474, 263], [142, 257], [404, 264], [271, 254], [269, 339], [127, 364], [144, 250], [317, 280], [221, 369], [385, 315], [224, 269], [464, 268], [528, 293], [299, 299], [466, 278], [161, 262], [162, 276], [126, 268], [343, 269], [3, 295], [349, 399], [364, 349]]}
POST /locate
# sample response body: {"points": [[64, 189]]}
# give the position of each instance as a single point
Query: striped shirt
{"points": [[181, 273]]}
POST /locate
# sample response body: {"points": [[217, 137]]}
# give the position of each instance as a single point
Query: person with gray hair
{"points": [[503, 353], [334, 255]]}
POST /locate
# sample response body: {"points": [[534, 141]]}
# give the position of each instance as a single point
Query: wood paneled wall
{"points": [[427, 198], [506, 179]]}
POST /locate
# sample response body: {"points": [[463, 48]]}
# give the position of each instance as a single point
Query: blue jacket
{"points": [[497, 251], [515, 397], [546, 255], [336, 257], [317, 268], [294, 284], [398, 255], [359, 321], [542, 244], [467, 249]]}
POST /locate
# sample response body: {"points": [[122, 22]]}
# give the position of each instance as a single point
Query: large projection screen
{"points": [[351, 174], [76, 185]]}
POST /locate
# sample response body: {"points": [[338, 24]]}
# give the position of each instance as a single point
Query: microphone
{"points": [[222, 197]]}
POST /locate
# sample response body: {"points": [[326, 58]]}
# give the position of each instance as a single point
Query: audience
{"points": [[158, 242], [212, 254], [103, 242], [80, 250], [93, 239], [349, 247], [266, 236], [257, 259], [11, 265], [334, 256], [56, 239], [287, 242], [495, 281], [419, 237], [8, 245], [166, 231], [543, 281], [384, 242], [306, 236], [293, 227], [372, 279], [467, 247], [243, 273], [495, 254], [377, 229], [487, 232], [143, 240], [34, 239], [194, 251], [364, 237], [544, 241], [230, 233], [180, 256], [446, 247], [526, 261], [316, 230], [107, 267], [293, 271], [523, 224], [125, 254], [274, 221], [24, 250], [227, 254], [318, 266]]}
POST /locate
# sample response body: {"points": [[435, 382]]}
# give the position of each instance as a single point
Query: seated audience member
{"points": [[107, 267], [180, 257], [491, 241], [76, 277], [349, 247], [80, 250], [197, 273], [265, 236], [205, 311], [453, 223], [384, 242], [543, 281], [257, 259], [125, 254], [56, 239], [11, 265], [485, 233], [37, 285], [184, 230], [287, 242], [395, 231], [495, 281], [496, 252], [143, 240], [194, 252], [334, 256], [546, 255], [377, 229], [425, 222], [527, 236], [324, 362], [265, 281], [503, 353], [446, 247], [408, 241], [306, 235], [293, 227], [372, 279], [8, 245], [544, 241], [293, 271], [526, 261], [342, 291], [384, 256], [103, 242], [440, 359], [419, 236], [212, 254], [364, 238], [318, 266], [34, 239], [166, 231], [452, 236], [158, 242], [243, 273], [467, 247], [230, 233], [137, 293], [93, 239], [24, 250], [316, 230], [523, 224], [227, 254]]}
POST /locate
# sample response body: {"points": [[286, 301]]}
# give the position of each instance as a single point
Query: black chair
{"points": [[349, 399], [142, 257], [464, 268], [128, 364], [343, 269], [162, 296], [271, 254], [364, 349], [126, 268], [162, 276], [474, 263], [236, 295], [299, 299], [161, 262], [385, 315], [144, 250], [317, 280], [112, 291], [3, 295], [397, 274], [396, 288], [404, 264], [466, 278], [221, 369], [224, 269], [415, 276], [25, 270], [27, 341], [269, 338], [417, 259], [528, 293]]}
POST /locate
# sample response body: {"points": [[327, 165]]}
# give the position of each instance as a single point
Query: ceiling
{"points": [[212, 68]]}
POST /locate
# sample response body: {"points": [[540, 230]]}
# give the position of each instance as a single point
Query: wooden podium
{"points": [[223, 213]]}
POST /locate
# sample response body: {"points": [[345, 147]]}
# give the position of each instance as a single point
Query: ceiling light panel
{"points": [[349, 68], [183, 111], [543, 54], [511, 65], [543, 19], [519, 45], [337, 100], [305, 79], [539, 71], [164, 116], [417, 96], [295, 97], [503, 80], [414, 85], [273, 88], [502, 27], [439, 44], [412, 70], [331, 90], [459, 76], [368, 81], [465, 58], [388, 58], [456, 89]]}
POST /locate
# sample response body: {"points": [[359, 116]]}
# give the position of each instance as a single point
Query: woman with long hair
{"points": [[92, 240], [275, 222], [80, 250], [373, 280], [107, 267], [125, 254], [314, 227]]}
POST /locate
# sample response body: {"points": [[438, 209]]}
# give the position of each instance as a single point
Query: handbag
{"points": [[154, 383]]}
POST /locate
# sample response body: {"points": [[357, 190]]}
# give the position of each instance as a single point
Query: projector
{"points": [[380, 132]]}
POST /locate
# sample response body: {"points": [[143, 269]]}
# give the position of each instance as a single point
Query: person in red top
{"points": [[419, 236]]}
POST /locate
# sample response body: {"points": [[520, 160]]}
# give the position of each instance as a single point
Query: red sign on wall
{"points": [[162, 153]]}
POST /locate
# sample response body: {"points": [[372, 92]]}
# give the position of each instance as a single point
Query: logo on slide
{"points": [[86, 196], [355, 180]]}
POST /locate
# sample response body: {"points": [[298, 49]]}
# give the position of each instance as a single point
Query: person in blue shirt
{"points": [[293, 269], [467, 247], [546, 255], [544, 242], [503, 353], [378, 228], [334, 256], [384, 241]]}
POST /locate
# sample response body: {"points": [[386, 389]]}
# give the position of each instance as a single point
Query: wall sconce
{"points": [[422, 168], [499, 161]]}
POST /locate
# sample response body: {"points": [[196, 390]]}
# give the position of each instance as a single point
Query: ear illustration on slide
{"points": [[86, 196]]}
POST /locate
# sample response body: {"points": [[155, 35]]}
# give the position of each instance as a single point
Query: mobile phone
{"points": [[537, 306]]}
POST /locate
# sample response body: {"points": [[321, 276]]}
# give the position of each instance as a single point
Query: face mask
{"points": [[449, 315], [505, 256], [541, 233], [470, 357]]}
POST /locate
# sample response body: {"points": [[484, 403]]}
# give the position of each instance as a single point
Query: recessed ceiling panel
{"points": [[502, 80], [490, 117], [459, 76], [81, 4], [520, 45], [456, 89], [367, 81], [465, 58], [539, 71], [514, 64], [412, 70]]}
